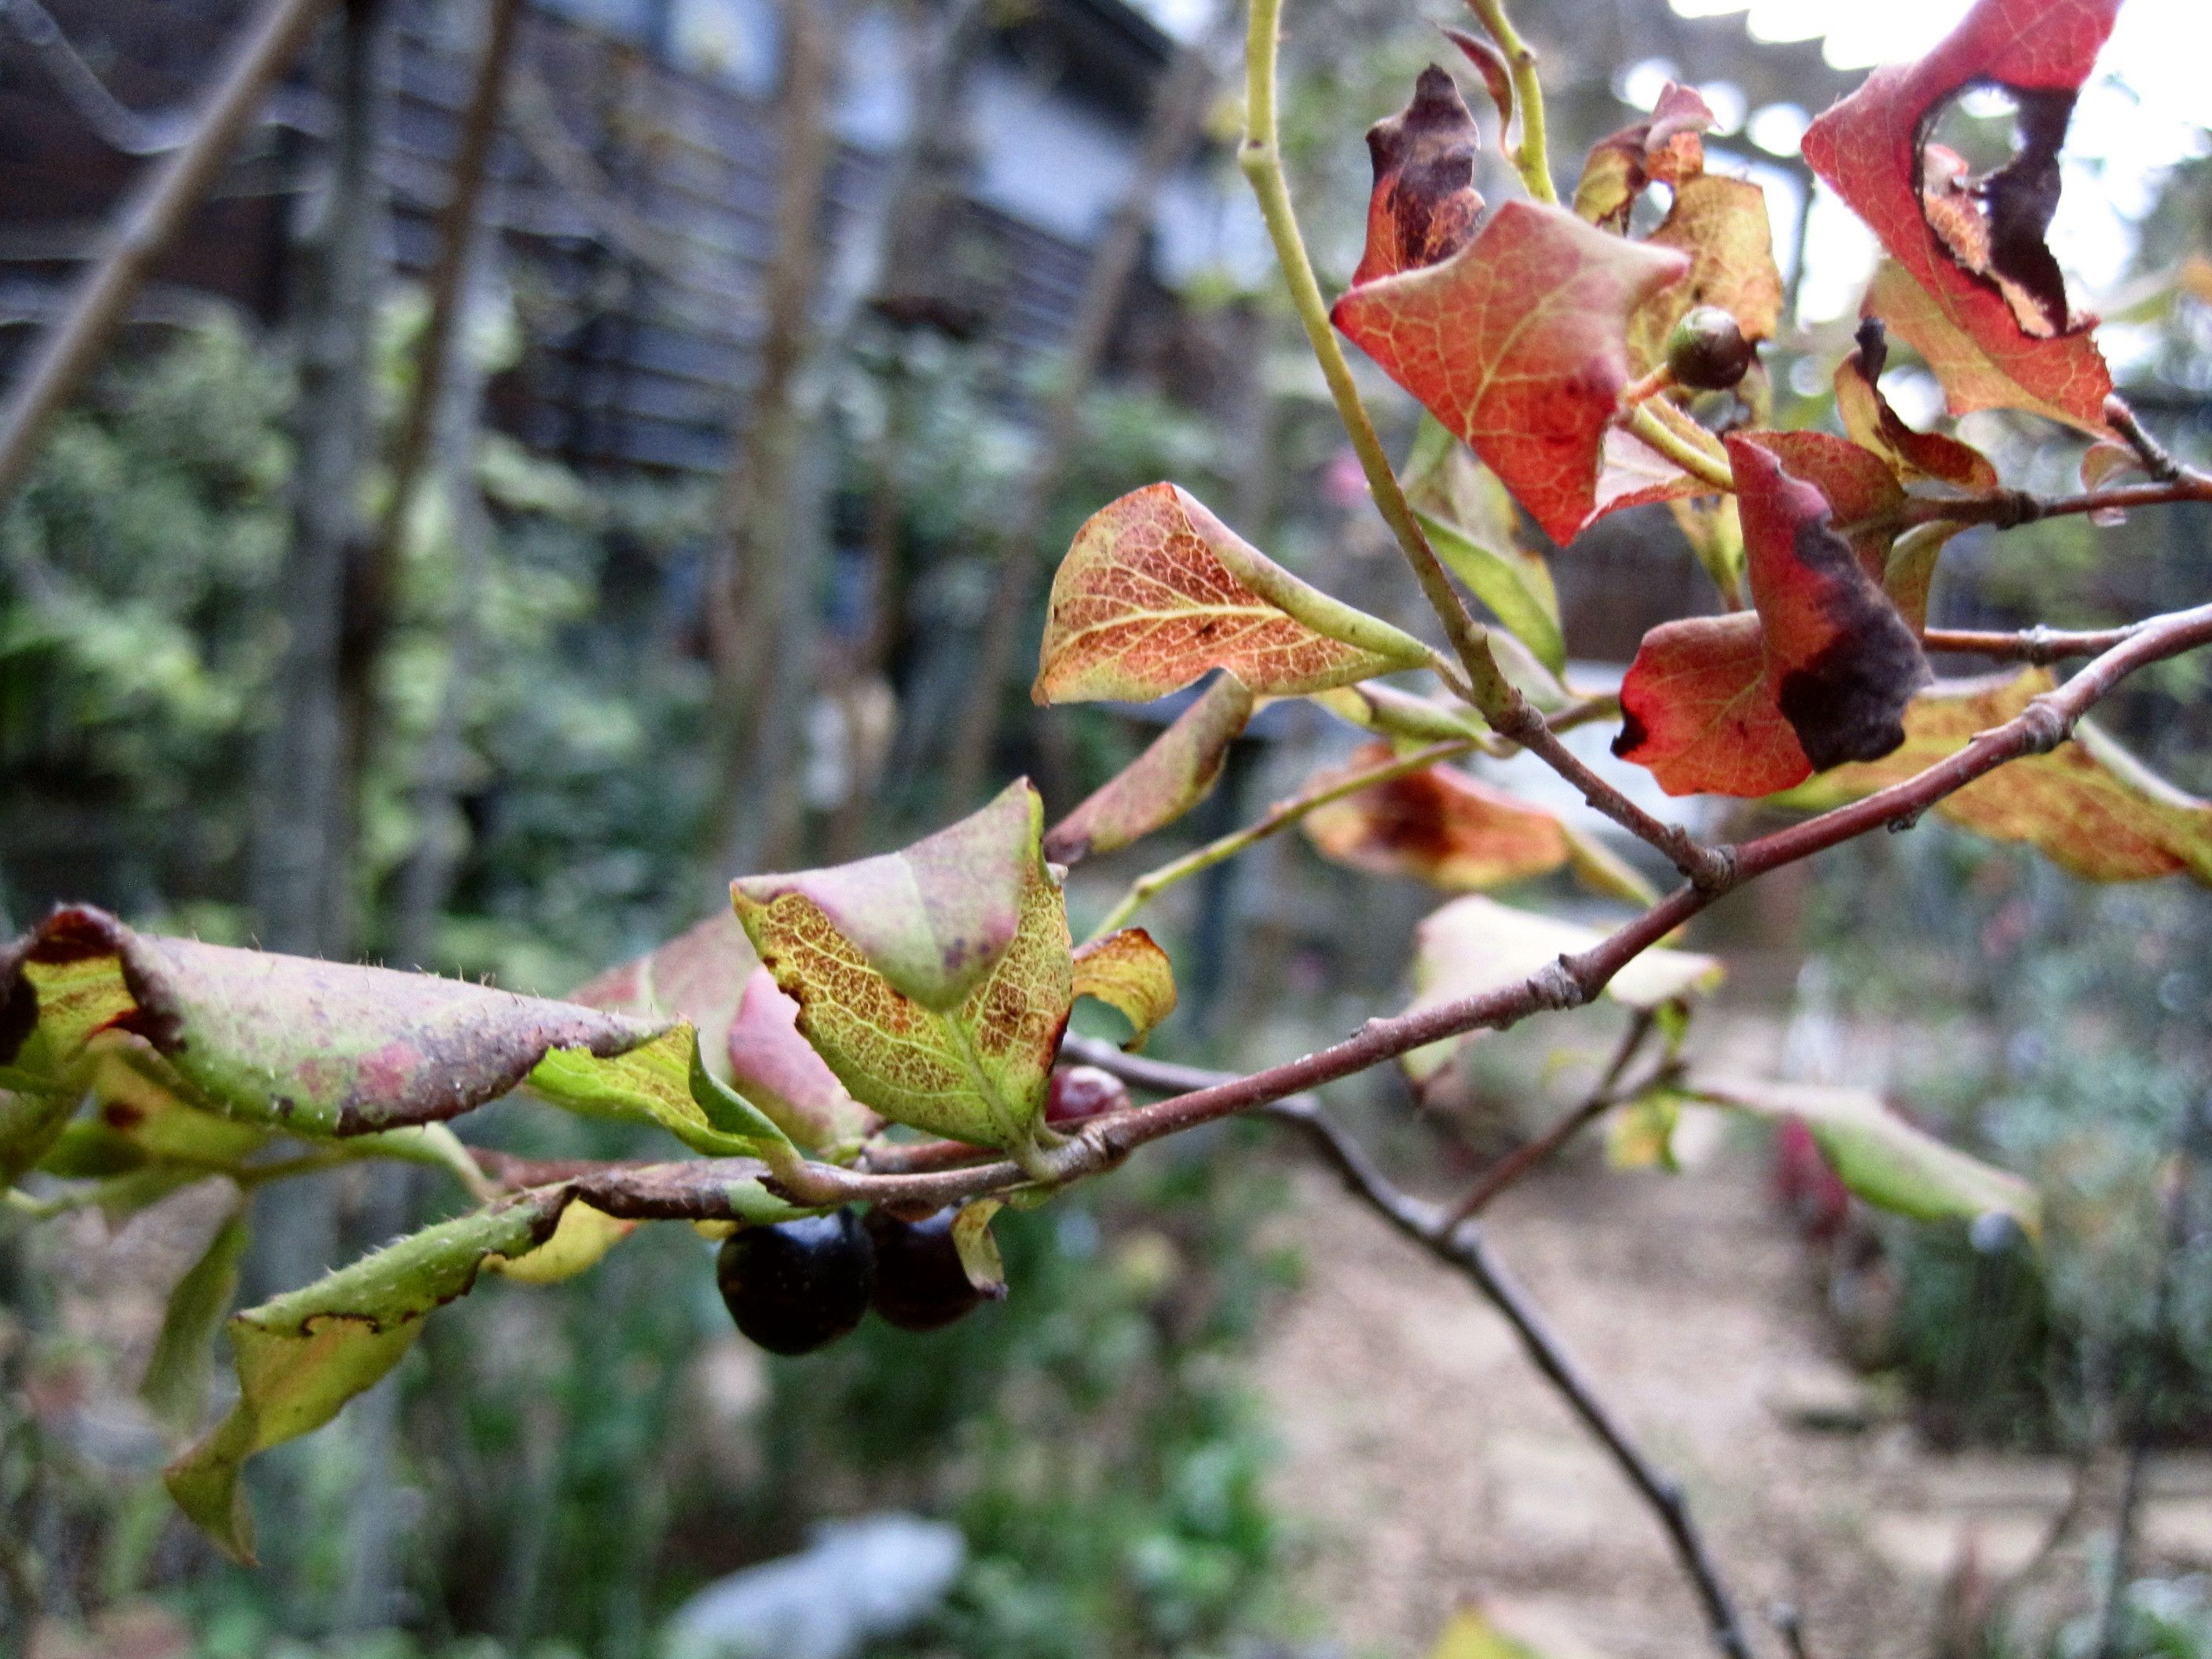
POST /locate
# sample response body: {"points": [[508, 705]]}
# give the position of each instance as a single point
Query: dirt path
{"points": [[1427, 1466]]}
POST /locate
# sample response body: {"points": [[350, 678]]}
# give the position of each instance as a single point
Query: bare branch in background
{"points": [[758, 605], [1178, 115], [144, 226], [375, 577], [1462, 1245]]}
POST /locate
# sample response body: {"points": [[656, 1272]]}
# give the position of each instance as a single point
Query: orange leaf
{"points": [[2088, 806], [1147, 602], [1696, 709], [1438, 825], [1991, 313], [1858, 484], [1424, 207], [1517, 344], [1175, 772]]}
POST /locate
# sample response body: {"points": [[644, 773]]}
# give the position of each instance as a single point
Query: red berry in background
{"points": [[920, 1282], [798, 1285], [1083, 1091]]}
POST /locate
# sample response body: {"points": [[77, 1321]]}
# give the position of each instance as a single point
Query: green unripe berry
{"points": [[1707, 351]]}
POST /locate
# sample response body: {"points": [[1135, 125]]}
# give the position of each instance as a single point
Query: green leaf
{"points": [[1130, 974], [302, 1356], [1881, 1157], [1475, 944], [580, 1238], [1640, 1134], [1472, 1636], [30, 1125], [1515, 584], [316, 1048], [1400, 716], [175, 1384], [935, 982]]}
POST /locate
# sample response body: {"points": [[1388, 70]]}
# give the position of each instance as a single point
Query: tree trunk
{"points": [[375, 564], [758, 610], [300, 875], [1178, 112]]}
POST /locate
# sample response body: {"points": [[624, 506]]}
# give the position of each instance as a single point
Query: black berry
{"points": [[798, 1285], [1082, 1091], [920, 1282], [1707, 351]]}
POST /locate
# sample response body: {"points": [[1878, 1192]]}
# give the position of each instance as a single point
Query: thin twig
{"points": [[1601, 1099], [144, 226], [1281, 815], [378, 571], [1531, 156], [2008, 509], [1463, 1245], [2156, 459], [1459, 1243], [2037, 645], [1567, 982]]}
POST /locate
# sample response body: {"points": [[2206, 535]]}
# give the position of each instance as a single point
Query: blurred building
{"points": [[636, 186]]}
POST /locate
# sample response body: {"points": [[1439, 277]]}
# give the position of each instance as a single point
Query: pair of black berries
{"points": [[799, 1285]]}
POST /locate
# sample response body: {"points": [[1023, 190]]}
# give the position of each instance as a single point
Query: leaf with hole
{"points": [[1973, 287]]}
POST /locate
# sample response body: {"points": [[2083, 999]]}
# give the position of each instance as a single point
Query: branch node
{"points": [[2157, 462], [2043, 726], [1555, 986], [1711, 870]]}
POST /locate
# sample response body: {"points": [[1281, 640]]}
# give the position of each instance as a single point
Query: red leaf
{"points": [[1976, 250], [1840, 660], [1437, 825], [1516, 343], [1424, 207], [1869, 418], [1859, 487], [1697, 710]]}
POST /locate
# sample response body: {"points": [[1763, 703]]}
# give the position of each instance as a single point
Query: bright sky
{"points": [[2148, 106]]}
